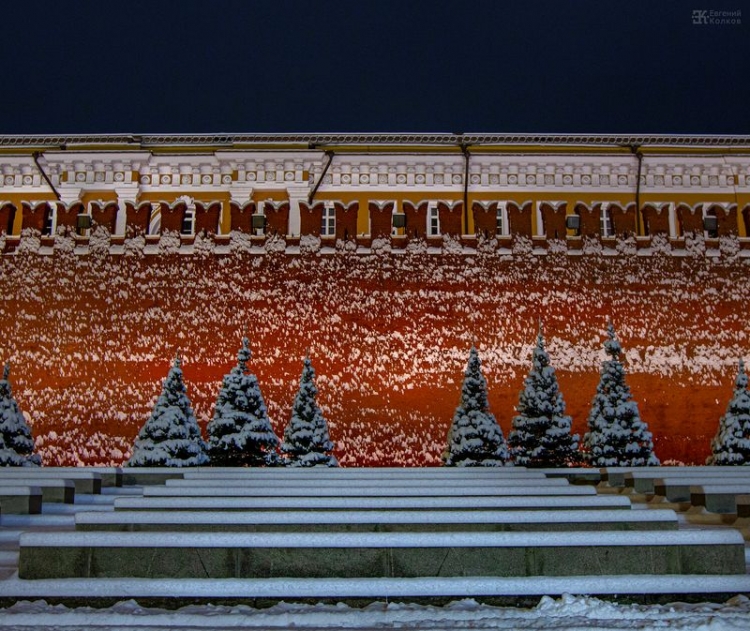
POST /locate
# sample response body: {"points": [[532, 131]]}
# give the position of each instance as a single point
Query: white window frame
{"points": [[704, 213], [188, 220], [397, 232], [328, 221], [606, 225], [49, 229], [501, 220], [433, 220], [672, 214], [539, 232]]}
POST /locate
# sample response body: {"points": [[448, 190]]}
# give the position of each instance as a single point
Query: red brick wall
{"points": [[450, 218], [240, 217], [554, 220], [104, 215], [655, 221], [519, 218], [207, 217], [311, 218], [171, 216], [346, 220], [380, 220], [623, 219], [33, 217], [137, 218], [416, 219], [7, 214], [66, 217], [485, 219], [277, 219]]}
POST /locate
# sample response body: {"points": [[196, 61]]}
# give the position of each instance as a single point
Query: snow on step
{"points": [[162, 519], [213, 555], [369, 588], [84, 481], [367, 491], [53, 489], [644, 481], [378, 539], [525, 501], [20, 499], [677, 489], [718, 498], [364, 483]]}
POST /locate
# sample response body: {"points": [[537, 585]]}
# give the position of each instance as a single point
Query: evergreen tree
{"points": [[541, 431], [731, 445], [475, 438], [240, 434], [616, 434], [171, 436], [306, 441], [16, 443]]}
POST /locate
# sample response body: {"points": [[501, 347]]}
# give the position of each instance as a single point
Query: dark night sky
{"points": [[186, 66]]}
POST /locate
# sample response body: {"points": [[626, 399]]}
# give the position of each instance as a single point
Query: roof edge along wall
{"points": [[380, 143]]}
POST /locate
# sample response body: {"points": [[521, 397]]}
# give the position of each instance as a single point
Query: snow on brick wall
{"points": [[92, 337]]}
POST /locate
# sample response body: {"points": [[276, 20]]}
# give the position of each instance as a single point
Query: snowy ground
{"points": [[567, 613], [562, 613]]}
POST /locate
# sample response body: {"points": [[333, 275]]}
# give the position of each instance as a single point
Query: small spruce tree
{"points": [[616, 434], [475, 438], [731, 445], [541, 436], [306, 440], [240, 433], [171, 436], [16, 443]]}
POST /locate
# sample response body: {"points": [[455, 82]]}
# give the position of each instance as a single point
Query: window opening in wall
{"points": [[674, 231], [188, 222], [606, 227], [433, 221], [50, 221], [258, 220], [398, 222], [328, 224], [501, 220], [710, 223], [11, 220]]}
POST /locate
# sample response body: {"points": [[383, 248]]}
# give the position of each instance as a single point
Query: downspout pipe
{"points": [[311, 196], [639, 156], [36, 155], [465, 151]]}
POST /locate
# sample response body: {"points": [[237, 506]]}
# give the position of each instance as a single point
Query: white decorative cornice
{"points": [[323, 140], [381, 175]]}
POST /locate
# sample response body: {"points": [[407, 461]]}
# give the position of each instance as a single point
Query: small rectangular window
{"points": [[328, 224], [50, 221], [606, 226], [501, 220], [188, 222], [433, 221]]}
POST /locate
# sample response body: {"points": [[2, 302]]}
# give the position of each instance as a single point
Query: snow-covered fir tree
{"points": [[306, 440], [171, 436], [731, 445], [616, 434], [541, 436], [16, 443], [240, 433], [475, 438]]}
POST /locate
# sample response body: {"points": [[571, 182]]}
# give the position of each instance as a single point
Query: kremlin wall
{"points": [[385, 257]]}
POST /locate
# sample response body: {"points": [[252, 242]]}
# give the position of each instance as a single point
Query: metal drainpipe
{"points": [[311, 196], [639, 156], [465, 151], [35, 157]]}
